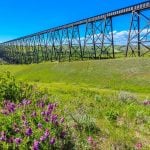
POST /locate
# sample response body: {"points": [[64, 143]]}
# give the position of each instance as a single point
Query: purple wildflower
{"points": [[26, 102], [146, 102], [55, 105], [3, 136], [18, 141], [62, 134], [39, 125], [43, 138], [52, 141], [54, 118], [50, 107], [47, 113], [139, 146], [33, 114], [62, 120], [36, 145], [46, 120], [10, 107], [5, 112], [17, 130], [41, 104], [47, 133], [26, 123], [23, 117], [90, 140], [10, 140], [29, 132], [43, 113]]}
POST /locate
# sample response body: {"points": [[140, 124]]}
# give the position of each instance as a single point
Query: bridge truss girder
{"points": [[68, 42]]}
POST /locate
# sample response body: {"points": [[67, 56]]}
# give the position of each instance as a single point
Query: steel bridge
{"points": [[66, 42]]}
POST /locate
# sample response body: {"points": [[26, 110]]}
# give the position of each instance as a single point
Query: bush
{"points": [[112, 115], [2, 62], [127, 97], [10, 89], [98, 98], [85, 123]]}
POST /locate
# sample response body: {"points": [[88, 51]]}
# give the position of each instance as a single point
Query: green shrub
{"points": [[112, 115], [10, 89], [85, 123], [127, 97], [2, 62], [98, 98]]}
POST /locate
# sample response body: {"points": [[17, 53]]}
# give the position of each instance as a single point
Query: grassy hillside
{"points": [[106, 98], [122, 74]]}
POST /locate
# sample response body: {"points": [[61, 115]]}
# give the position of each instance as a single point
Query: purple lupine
{"points": [[4, 112], [62, 134], [3, 136], [29, 132], [54, 118], [90, 140], [11, 107], [43, 113], [33, 114], [19, 105], [26, 102], [43, 138], [47, 113], [52, 141], [10, 140], [55, 105], [18, 141], [41, 104], [39, 125], [47, 133], [146, 102], [62, 120], [23, 117], [50, 107], [16, 130], [36, 145], [46, 119], [26, 123], [139, 146]]}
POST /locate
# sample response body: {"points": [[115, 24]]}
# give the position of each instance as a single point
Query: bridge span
{"points": [[66, 42]]}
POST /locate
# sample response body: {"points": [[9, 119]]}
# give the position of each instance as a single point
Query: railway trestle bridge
{"points": [[67, 42]]}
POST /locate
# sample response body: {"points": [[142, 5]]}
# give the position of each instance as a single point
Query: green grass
{"points": [[121, 74], [98, 89]]}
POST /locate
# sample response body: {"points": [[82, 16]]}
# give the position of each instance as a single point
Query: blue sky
{"points": [[22, 17]]}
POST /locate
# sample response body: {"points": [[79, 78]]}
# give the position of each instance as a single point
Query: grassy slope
{"points": [[122, 74], [91, 88]]}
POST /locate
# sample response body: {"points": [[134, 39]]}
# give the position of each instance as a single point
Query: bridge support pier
{"points": [[107, 46], [139, 37], [89, 50], [65, 42], [76, 49]]}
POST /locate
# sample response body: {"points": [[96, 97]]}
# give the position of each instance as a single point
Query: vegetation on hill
{"points": [[102, 104]]}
